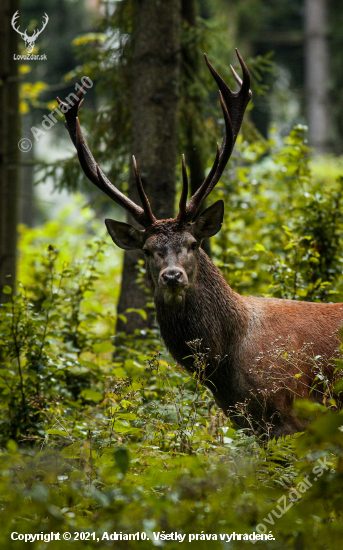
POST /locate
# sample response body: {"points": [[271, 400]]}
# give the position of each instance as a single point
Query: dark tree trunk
{"points": [[27, 205], [191, 59], [317, 73], [9, 152], [154, 128]]}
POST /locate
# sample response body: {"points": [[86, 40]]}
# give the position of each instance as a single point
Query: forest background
{"points": [[99, 430]]}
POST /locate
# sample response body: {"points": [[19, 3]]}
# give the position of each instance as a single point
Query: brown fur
{"points": [[261, 353], [250, 336]]}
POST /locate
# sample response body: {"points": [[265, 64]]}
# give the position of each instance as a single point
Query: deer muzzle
{"points": [[173, 281]]}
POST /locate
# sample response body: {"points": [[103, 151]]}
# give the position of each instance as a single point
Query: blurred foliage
{"points": [[295, 207], [102, 435], [29, 93]]}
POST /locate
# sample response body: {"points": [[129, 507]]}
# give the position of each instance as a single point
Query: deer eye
{"points": [[193, 245], [147, 252]]}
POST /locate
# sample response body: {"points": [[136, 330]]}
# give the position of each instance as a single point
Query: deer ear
{"points": [[124, 235], [209, 221]]}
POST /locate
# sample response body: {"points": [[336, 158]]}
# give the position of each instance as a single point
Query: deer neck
{"points": [[211, 313]]}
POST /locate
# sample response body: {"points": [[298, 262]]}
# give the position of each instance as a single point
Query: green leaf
{"points": [[338, 386], [72, 451], [102, 347], [121, 427], [122, 460], [12, 445], [7, 289], [259, 247], [140, 312], [93, 395], [88, 364], [54, 431], [132, 367], [128, 416]]}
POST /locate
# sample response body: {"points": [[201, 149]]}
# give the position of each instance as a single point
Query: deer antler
{"points": [[143, 216], [233, 105], [13, 23]]}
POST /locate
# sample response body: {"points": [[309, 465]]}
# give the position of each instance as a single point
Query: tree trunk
{"points": [[154, 129], [9, 152], [27, 205], [191, 59], [317, 74]]}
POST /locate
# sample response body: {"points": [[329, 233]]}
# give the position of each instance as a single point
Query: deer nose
{"points": [[172, 277]]}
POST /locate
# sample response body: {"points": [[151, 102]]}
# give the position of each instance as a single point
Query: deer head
{"points": [[170, 246], [29, 40]]}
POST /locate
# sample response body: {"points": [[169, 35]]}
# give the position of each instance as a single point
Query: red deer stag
{"points": [[245, 339]]}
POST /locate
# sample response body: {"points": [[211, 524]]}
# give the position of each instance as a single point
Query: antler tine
{"points": [[96, 176], [245, 89], [70, 111], [136, 211], [222, 157], [144, 199], [236, 77], [184, 194], [233, 105], [91, 168]]}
